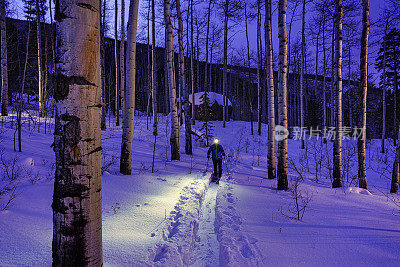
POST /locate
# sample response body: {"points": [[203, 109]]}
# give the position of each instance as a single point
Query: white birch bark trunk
{"points": [[282, 95], [191, 63], [337, 143], [362, 172], [384, 98], [39, 59], [248, 72], [4, 69], [396, 168], [332, 109], [302, 60], [153, 79], [130, 91], [102, 63], [324, 70], [182, 82], [271, 91], [116, 103], [77, 238], [259, 68], [53, 56], [122, 57], [225, 59], [206, 86], [174, 139]]}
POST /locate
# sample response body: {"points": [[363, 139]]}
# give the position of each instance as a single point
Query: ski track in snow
{"points": [[207, 246]]}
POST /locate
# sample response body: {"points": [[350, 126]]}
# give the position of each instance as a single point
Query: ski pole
{"points": [[227, 169], [205, 172]]}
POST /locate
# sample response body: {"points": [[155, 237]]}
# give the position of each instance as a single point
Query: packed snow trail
{"points": [[207, 246]]}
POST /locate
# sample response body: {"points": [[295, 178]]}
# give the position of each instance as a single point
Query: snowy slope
{"points": [[173, 217]]}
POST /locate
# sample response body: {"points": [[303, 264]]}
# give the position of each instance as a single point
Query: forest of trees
{"points": [[76, 65]]}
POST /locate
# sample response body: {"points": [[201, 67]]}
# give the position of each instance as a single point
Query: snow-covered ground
{"points": [[173, 217]]}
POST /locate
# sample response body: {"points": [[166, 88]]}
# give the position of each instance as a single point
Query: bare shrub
{"points": [[349, 159], [318, 155], [10, 173], [301, 197], [238, 149], [107, 162]]}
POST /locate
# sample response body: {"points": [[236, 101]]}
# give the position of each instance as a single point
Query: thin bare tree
{"points": [[122, 57], [250, 97], [182, 83], [174, 139], [282, 96], [130, 90], [4, 69], [39, 60], [362, 172], [103, 62], [396, 168], [337, 143], [302, 66], [231, 10], [191, 62], [153, 78], [116, 101], [271, 90], [259, 88]]}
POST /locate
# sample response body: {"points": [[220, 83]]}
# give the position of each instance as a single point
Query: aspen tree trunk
{"points": [[324, 67], [316, 66], [191, 63], [122, 57], [362, 175], [302, 60], [116, 104], [271, 91], [259, 67], [39, 59], [4, 69], [197, 55], [396, 85], [384, 98], [53, 57], [282, 95], [289, 51], [265, 101], [102, 63], [174, 139], [206, 86], [337, 144], [167, 89], [349, 87], [148, 74], [153, 78], [21, 94], [46, 67], [396, 168], [130, 90], [333, 74], [224, 74], [77, 238], [182, 81], [248, 72]]}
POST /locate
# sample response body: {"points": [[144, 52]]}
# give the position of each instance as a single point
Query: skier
{"points": [[217, 152]]}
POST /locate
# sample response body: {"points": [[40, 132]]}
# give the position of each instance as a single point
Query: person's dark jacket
{"points": [[216, 152]]}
